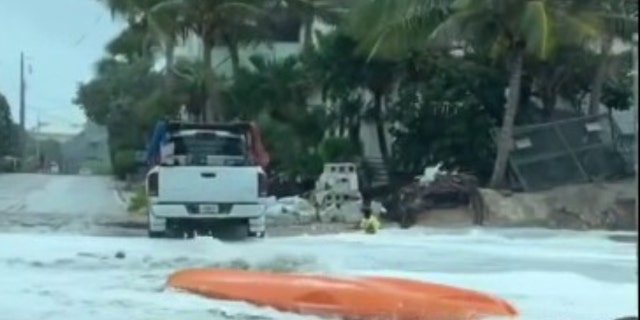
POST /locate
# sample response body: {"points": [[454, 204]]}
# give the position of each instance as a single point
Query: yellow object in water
{"points": [[370, 225]]}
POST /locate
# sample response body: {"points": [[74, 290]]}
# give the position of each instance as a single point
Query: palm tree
{"points": [[308, 11], [278, 87], [394, 29], [133, 42], [191, 85], [6, 125], [343, 75], [152, 26], [507, 29], [338, 74], [619, 23], [212, 21], [565, 76], [244, 31]]}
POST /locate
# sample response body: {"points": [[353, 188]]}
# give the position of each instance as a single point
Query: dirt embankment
{"points": [[589, 206], [609, 206]]}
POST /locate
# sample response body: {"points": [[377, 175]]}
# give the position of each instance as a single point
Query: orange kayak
{"points": [[351, 298]]}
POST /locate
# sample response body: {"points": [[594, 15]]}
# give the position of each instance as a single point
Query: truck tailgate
{"points": [[208, 184]]}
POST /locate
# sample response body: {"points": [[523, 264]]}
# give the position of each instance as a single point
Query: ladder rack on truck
{"points": [[249, 130]]}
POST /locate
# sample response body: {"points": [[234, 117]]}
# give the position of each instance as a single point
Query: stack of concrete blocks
{"points": [[337, 192]]}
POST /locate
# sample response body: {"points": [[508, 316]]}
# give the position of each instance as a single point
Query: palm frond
{"points": [[132, 41], [389, 28], [537, 29], [240, 7]]}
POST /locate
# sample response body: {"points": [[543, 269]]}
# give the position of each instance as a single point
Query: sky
{"points": [[61, 40]]}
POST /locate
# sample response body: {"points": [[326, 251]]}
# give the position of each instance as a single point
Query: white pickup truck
{"points": [[206, 182]]}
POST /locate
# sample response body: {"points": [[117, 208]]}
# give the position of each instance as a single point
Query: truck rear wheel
{"points": [[231, 230], [155, 234], [259, 235], [180, 229], [171, 235], [174, 229]]}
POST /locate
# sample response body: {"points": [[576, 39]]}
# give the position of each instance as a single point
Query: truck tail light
{"points": [[262, 184], [153, 184]]}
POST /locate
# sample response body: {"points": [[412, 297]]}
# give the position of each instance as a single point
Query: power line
{"points": [[83, 36]]}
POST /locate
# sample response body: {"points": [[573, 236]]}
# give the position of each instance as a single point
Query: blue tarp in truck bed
{"points": [[154, 144]]}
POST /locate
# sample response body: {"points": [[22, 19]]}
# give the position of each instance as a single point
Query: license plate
{"points": [[209, 209]]}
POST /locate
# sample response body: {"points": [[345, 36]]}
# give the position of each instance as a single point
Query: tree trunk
{"points": [[307, 38], [234, 54], [354, 131], [380, 130], [209, 110], [341, 125], [549, 98], [598, 79], [505, 140], [169, 60]]}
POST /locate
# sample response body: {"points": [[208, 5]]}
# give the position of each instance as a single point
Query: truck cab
{"points": [[206, 179]]}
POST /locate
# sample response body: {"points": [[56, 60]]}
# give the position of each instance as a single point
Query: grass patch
{"points": [[139, 201]]}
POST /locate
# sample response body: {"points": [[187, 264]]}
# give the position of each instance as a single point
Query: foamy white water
{"points": [[547, 275]]}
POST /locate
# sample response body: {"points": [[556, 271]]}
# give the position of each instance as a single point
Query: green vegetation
{"points": [[138, 201], [10, 139], [6, 127], [431, 73]]}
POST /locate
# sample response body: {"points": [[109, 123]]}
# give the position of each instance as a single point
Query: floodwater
{"points": [[60, 271]]}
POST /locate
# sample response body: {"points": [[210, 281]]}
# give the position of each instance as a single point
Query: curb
{"points": [[120, 197]]}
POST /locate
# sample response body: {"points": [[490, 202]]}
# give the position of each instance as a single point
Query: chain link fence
{"points": [[571, 151]]}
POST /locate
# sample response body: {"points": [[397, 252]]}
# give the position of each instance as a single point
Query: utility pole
{"points": [[635, 99], [635, 123], [36, 137], [23, 132]]}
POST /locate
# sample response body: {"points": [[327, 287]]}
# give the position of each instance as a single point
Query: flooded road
{"points": [[55, 267], [58, 203]]}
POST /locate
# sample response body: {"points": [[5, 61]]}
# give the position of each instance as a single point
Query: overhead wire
{"points": [[83, 36]]}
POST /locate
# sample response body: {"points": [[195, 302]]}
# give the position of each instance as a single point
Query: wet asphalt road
{"points": [[60, 203]]}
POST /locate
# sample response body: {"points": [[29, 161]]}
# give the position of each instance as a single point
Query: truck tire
{"points": [[155, 234], [170, 235], [190, 234], [233, 231], [259, 235], [180, 230]]}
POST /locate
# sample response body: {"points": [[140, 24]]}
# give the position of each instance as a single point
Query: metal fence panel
{"points": [[548, 173], [531, 142], [570, 151]]}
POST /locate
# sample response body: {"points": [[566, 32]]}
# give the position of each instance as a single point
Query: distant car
{"points": [[85, 172]]}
